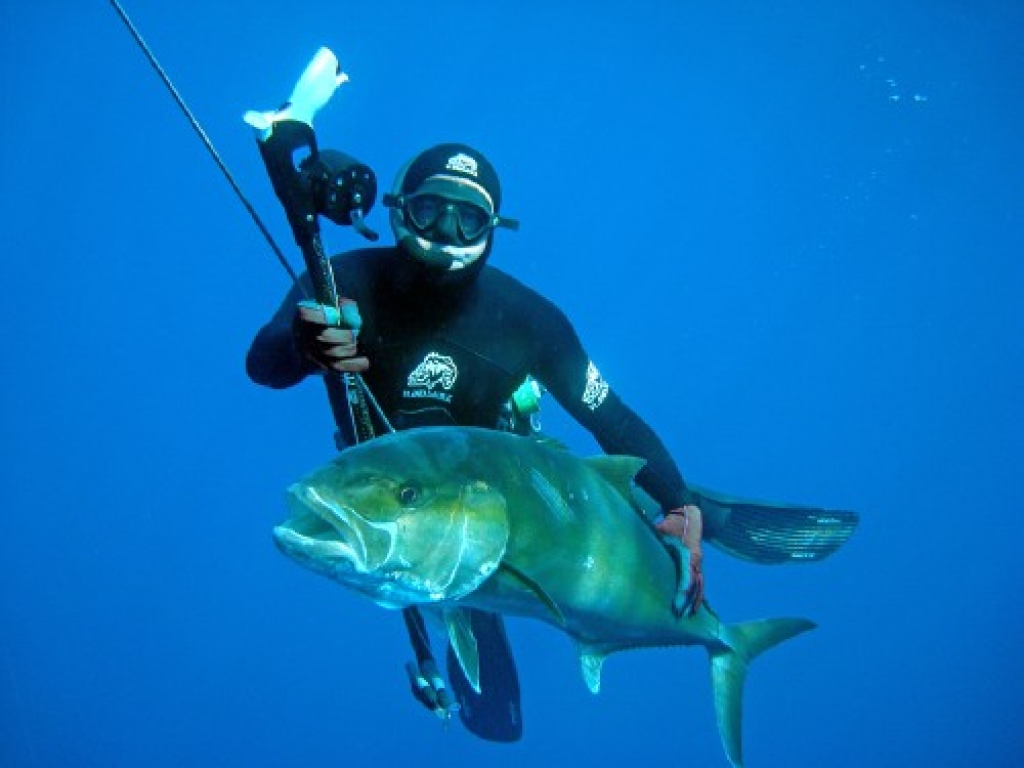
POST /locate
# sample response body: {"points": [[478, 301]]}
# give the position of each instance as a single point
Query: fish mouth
{"points": [[321, 531]]}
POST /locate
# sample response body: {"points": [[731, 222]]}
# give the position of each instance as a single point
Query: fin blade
{"points": [[495, 712], [771, 533]]}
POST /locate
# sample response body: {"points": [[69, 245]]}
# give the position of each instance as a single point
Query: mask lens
{"points": [[474, 221], [424, 210]]}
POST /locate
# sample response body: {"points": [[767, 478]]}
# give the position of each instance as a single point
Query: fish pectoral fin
{"points": [[537, 590], [591, 661], [463, 641]]}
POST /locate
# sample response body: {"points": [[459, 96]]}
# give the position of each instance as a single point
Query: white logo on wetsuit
{"points": [[462, 163], [433, 371], [597, 388]]}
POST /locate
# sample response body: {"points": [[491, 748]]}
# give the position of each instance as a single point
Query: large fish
{"points": [[460, 518]]}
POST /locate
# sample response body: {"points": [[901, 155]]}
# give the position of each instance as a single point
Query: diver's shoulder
{"points": [[505, 287]]}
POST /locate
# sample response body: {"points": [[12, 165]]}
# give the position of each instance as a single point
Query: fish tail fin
{"points": [[743, 643]]}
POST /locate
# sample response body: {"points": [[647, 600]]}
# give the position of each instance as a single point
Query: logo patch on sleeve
{"points": [[596, 390]]}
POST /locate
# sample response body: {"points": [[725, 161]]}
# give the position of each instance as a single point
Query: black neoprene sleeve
{"points": [[566, 369], [273, 359]]}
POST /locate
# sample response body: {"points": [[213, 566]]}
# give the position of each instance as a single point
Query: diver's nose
{"points": [[448, 225]]}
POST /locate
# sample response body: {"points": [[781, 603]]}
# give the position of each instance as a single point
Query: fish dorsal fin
{"points": [[463, 641], [591, 660], [618, 472], [537, 590]]}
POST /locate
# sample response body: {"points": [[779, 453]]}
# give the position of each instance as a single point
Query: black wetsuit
{"points": [[454, 356]]}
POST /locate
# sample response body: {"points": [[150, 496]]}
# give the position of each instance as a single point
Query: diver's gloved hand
{"points": [[687, 524], [327, 336], [429, 689]]}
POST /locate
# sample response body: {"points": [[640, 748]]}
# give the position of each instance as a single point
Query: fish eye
{"points": [[408, 495]]}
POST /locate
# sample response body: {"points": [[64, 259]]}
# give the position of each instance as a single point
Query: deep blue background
{"points": [[790, 235]]}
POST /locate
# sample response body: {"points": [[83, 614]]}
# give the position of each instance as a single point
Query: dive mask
{"points": [[447, 210]]}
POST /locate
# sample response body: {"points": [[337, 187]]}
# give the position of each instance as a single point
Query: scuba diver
{"points": [[442, 338]]}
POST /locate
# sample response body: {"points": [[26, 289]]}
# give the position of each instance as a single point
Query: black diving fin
{"points": [[766, 533], [772, 534], [494, 714]]}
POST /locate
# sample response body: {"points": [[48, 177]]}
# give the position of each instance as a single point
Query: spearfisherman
{"points": [[429, 289], [440, 337]]}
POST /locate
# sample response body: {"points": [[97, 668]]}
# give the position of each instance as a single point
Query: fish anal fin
{"points": [[591, 661]]}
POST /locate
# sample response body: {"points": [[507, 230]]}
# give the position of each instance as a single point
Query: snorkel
{"points": [[439, 257]]}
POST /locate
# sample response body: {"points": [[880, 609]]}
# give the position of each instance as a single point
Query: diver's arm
{"points": [[274, 360], [566, 370]]}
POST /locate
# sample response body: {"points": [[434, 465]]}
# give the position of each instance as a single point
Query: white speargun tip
{"points": [[313, 90], [318, 83]]}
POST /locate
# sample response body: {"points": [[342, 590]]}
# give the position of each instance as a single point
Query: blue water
{"points": [[790, 234]]}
